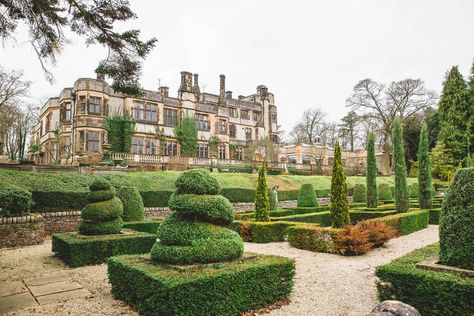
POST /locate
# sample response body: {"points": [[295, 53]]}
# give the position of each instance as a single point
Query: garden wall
{"points": [[21, 231]]}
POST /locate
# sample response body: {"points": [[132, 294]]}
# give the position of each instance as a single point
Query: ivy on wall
{"points": [[120, 130]]}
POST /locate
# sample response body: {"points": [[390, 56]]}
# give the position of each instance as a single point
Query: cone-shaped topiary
{"points": [[384, 192], [414, 188], [307, 196], [402, 196], [371, 177], [262, 205], [339, 201], [272, 200], [133, 209], [456, 226], [425, 194], [102, 216], [360, 194], [193, 233]]}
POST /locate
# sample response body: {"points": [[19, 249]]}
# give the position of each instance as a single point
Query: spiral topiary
{"points": [[384, 192], [307, 196], [360, 194], [194, 233], [102, 216], [133, 208]]}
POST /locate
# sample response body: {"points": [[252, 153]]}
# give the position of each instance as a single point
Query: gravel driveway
{"points": [[325, 284]]}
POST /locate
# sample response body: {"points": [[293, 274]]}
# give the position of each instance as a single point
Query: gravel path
{"points": [[325, 284], [333, 285]]}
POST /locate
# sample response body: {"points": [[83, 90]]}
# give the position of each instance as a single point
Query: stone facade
{"points": [[73, 123], [319, 159]]}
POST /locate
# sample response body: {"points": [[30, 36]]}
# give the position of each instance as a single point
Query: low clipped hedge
{"points": [[324, 218], [317, 239], [407, 223], [430, 292], [147, 226], [14, 201], [227, 288], [434, 216], [79, 250], [261, 232]]}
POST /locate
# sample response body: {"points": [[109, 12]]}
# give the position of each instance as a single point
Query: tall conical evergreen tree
{"points": [[371, 175], [402, 196], [339, 202], [262, 204], [455, 115], [470, 92], [425, 185]]}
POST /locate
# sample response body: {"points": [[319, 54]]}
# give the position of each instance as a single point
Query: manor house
{"points": [[73, 123]]}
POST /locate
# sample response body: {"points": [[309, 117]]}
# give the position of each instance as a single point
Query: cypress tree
{"points": [[262, 204], [371, 176], [425, 186], [455, 115], [339, 201], [402, 197]]}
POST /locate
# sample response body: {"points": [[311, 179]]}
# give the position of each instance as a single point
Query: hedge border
{"points": [[430, 292], [79, 250], [147, 226], [226, 288]]}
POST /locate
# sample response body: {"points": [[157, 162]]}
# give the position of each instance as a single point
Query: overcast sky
{"points": [[308, 53]]}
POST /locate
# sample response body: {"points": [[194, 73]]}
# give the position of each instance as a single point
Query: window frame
{"points": [[173, 118], [94, 106]]}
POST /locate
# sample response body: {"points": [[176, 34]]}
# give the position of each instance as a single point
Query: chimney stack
{"points": [[221, 88], [196, 84], [164, 91], [100, 76], [186, 81], [228, 94]]}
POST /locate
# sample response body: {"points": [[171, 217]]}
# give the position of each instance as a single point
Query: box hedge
{"points": [[407, 223], [79, 250], [430, 292], [261, 232], [317, 239], [226, 288], [146, 226]]}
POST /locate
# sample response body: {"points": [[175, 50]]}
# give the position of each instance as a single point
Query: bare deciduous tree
{"points": [[12, 86], [310, 127], [384, 103]]}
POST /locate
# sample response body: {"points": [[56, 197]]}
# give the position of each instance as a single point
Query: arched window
{"points": [[240, 153]]}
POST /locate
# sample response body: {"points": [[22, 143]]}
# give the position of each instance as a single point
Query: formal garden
{"points": [[205, 256]]}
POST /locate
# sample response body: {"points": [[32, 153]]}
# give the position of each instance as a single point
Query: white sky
{"points": [[308, 53]]}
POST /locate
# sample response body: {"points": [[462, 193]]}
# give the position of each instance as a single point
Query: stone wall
{"points": [[61, 222], [156, 212], [21, 231]]}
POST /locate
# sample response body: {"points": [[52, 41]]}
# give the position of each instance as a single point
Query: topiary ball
{"points": [[197, 181], [133, 208], [414, 191], [360, 194], [307, 196], [100, 184], [456, 225], [384, 192]]}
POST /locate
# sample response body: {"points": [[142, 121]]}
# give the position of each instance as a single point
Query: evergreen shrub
{"points": [[456, 227], [307, 196], [262, 206], [102, 215], [195, 232], [14, 201], [371, 176], [339, 202], [133, 208], [360, 194], [384, 192]]}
